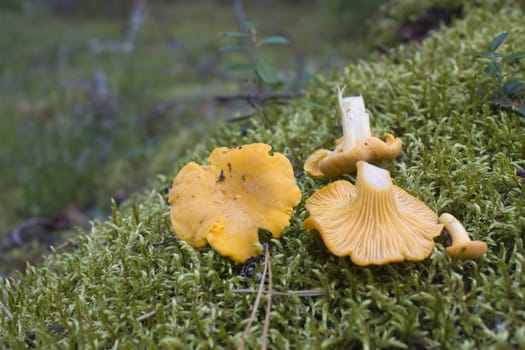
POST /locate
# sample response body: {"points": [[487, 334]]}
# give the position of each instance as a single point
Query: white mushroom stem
{"points": [[356, 122], [456, 230], [374, 176]]}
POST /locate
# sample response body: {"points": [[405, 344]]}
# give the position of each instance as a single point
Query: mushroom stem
{"points": [[374, 176], [456, 230], [355, 120], [462, 246]]}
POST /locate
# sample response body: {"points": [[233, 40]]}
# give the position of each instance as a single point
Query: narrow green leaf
{"points": [[234, 48], [279, 40], [485, 54], [521, 110], [514, 56], [266, 71], [234, 34], [481, 54], [502, 103], [512, 87], [497, 41], [493, 68], [235, 67]]}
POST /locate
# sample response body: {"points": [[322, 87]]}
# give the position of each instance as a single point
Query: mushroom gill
{"points": [[374, 221]]}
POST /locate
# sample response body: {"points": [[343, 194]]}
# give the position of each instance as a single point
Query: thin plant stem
{"points": [[299, 293], [151, 313], [266, 326], [256, 304]]}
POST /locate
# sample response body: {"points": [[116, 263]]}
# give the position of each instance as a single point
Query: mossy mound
{"points": [[459, 156]]}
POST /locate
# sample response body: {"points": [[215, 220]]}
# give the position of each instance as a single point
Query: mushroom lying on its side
{"points": [[374, 221], [356, 144], [226, 202], [462, 246]]}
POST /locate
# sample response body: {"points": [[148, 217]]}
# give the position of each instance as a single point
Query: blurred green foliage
{"points": [[11, 4], [70, 114], [387, 28], [84, 120], [351, 18], [507, 90], [262, 73]]}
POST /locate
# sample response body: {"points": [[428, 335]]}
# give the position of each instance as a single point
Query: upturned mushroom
{"points": [[225, 202], [356, 144], [374, 222], [462, 246]]}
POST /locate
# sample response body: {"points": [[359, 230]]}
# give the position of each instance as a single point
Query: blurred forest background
{"points": [[97, 97]]}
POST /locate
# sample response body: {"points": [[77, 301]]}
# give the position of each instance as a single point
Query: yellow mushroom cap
{"points": [[357, 143], [225, 202], [311, 165], [369, 149], [374, 221]]}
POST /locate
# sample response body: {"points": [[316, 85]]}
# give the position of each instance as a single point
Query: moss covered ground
{"points": [[114, 288]]}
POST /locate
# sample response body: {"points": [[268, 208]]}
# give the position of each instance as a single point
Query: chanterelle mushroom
{"points": [[226, 202], [462, 246], [356, 144], [374, 221]]}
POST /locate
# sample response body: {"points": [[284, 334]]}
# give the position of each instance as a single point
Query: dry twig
{"points": [[266, 326], [240, 16], [65, 245], [257, 301], [25, 231], [164, 242], [136, 20], [260, 97], [299, 293], [151, 313]]}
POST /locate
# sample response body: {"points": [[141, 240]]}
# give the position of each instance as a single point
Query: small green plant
{"points": [[510, 91], [263, 74]]}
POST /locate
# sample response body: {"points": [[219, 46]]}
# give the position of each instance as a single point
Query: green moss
{"points": [[459, 156]]}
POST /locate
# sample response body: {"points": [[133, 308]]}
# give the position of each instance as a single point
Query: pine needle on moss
{"points": [[266, 270]]}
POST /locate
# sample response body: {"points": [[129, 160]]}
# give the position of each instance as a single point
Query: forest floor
{"points": [[94, 107]]}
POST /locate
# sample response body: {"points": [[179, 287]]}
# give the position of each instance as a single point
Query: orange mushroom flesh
{"points": [[225, 202], [462, 246], [357, 143], [374, 221]]}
